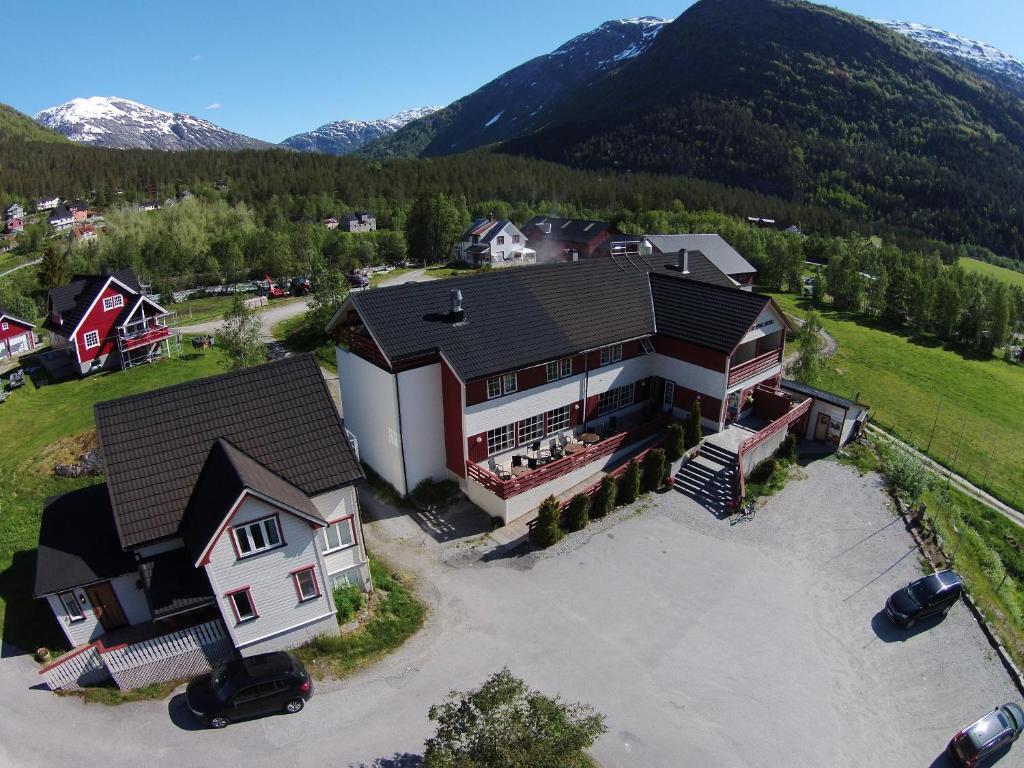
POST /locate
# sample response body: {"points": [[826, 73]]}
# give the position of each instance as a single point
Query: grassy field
{"points": [[991, 270], [42, 426], [903, 378], [295, 334]]}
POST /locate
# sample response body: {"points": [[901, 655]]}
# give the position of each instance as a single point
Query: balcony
{"points": [[754, 366]]}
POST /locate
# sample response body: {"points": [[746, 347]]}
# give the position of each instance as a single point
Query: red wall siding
{"points": [[710, 407], [691, 353], [770, 405], [526, 378], [451, 400], [476, 448], [14, 330], [98, 320]]}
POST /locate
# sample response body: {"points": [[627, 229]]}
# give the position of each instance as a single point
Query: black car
{"points": [[257, 685], [989, 734], [929, 594]]}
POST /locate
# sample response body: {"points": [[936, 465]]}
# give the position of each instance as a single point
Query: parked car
{"points": [[986, 736], [929, 594], [357, 280], [265, 684]]}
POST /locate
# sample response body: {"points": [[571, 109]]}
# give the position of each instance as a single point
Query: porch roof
{"points": [[78, 542], [174, 584]]}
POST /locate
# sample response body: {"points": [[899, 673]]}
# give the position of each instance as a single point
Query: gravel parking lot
{"points": [[703, 642]]}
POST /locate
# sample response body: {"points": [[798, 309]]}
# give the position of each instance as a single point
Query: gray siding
{"points": [[132, 600], [349, 564], [281, 616]]}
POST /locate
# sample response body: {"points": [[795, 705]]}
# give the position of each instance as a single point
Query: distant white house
{"points": [[61, 219], [47, 203], [494, 242]]}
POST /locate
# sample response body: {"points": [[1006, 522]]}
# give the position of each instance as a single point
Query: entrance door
{"points": [[669, 398], [106, 606], [821, 428]]}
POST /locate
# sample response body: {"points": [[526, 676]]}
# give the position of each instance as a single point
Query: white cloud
{"points": [[197, 57], [215, 105]]}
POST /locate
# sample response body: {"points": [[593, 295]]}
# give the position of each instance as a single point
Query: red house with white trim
{"points": [[16, 335], [493, 380], [105, 321]]}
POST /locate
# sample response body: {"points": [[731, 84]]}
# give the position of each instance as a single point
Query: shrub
{"points": [[547, 531], [629, 488], [655, 468], [904, 472], [675, 443], [578, 508], [604, 500], [693, 426], [348, 599], [435, 494], [763, 472], [787, 451]]}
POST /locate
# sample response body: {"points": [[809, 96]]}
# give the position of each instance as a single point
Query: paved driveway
{"points": [[704, 643]]}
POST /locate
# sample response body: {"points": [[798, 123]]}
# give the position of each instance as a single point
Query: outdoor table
{"points": [[589, 438], [574, 448], [517, 471]]}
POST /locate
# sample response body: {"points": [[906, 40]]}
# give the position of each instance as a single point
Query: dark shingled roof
{"points": [[818, 394], [78, 543], [72, 300], [574, 230], [715, 247], [173, 583], [702, 313], [155, 445], [520, 317], [226, 473]]}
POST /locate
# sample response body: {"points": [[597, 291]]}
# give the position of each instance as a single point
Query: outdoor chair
{"points": [[517, 460], [531, 462]]}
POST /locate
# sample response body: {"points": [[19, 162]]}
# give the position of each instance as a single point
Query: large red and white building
{"points": [[452, 379], [105, 321]]}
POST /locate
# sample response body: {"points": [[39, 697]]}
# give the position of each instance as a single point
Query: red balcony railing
{"points": [[754, 366], [151, 335], [506, 489]]}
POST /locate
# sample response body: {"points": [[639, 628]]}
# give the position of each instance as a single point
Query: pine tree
{"points": [[807, 366], [629, 487], [548, 531], [577, 515], [694, 428], [53, 270]]}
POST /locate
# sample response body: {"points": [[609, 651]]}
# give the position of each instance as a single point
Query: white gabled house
{"points": [[495, 243]]}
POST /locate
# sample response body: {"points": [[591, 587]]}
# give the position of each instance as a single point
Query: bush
{"points": [[578, 509], [763, 472], [604, 500], [787, 451], [904, 472], [433, 494], [675, 443], [629, 488], [655, 468], [693, 426], [348, 599], [547, 531]]}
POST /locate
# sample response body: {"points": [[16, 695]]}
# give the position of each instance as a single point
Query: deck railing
{"points": [[506, 489], [770, 431], [754, 366]]}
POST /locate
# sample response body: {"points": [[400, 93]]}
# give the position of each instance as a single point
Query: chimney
{"points": [[490, 216], [546, 226], [455, 312], [684, 261]]}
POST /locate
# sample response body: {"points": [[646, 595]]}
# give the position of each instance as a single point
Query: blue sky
{"points": [[270, 70]]}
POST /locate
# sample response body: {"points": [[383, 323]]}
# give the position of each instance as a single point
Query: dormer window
{"points": [[501, 385], [113, 302], [611, 354], [257, 536], [559, 369]]}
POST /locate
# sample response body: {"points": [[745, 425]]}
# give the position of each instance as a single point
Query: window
{"points": [[531, 429], [500, 439], [558, 419], [92, 339], [559, 369], [614, 399], [4, 326], [611, 354], [241, 602], [112, 302], [257, 536], [349, 576], [515, 238], [71, 607], [501, 239], [306, 584], [501, 385], [338, 535]]}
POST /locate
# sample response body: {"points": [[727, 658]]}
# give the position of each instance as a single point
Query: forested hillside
{"points": [[15, 125]]}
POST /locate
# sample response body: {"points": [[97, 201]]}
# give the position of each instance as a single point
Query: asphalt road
{"points": [[704, 643]]}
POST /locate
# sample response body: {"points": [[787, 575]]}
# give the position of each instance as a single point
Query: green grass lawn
{"points": [[903, 377], [36, 422], [201, 310], [298, 336], [991, 270]]}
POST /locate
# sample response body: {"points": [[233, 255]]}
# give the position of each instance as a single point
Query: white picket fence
{"points": [[185, 653]]}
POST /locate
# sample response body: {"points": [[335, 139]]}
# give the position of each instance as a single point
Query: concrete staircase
{"points": [[710, 479]]}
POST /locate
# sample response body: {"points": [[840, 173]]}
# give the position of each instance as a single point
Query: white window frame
{"points": [[559, 369], [615, 399], [611, 354], [113, 302], [509, 383], [243, 535], [505, 384], [94, 337], [515, 238], [4, 326], [303, 597], [501, 239], [558, 419], [72, 607], [531, 429], [493, 387], [501, 439], [336, 525], [239, 618]]}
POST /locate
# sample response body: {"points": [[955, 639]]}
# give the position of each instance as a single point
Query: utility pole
{"points": [[935, 423], [958, 444]]}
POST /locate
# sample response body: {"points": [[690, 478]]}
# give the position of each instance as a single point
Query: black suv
{"points": [[249, 687], [928, 595]]}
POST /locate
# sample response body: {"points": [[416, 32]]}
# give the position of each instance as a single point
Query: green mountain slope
{"points": [[810, 104], [15, 125]]}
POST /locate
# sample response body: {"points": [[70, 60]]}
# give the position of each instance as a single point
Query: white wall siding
{"points": [[369, 400], [325, 625], [419, 395], [133, 604], [268, 576], [691, 376], [133, 600], [505, 410], [619, 374], [769, 321]]}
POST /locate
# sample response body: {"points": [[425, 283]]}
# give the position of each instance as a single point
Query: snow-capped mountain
{"points": [[344, 136], [523, 98], [109, 121], [980, 55]]}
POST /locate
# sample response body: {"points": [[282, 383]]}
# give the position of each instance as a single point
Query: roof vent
{"points": [[684, 261], [455, 312]]}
